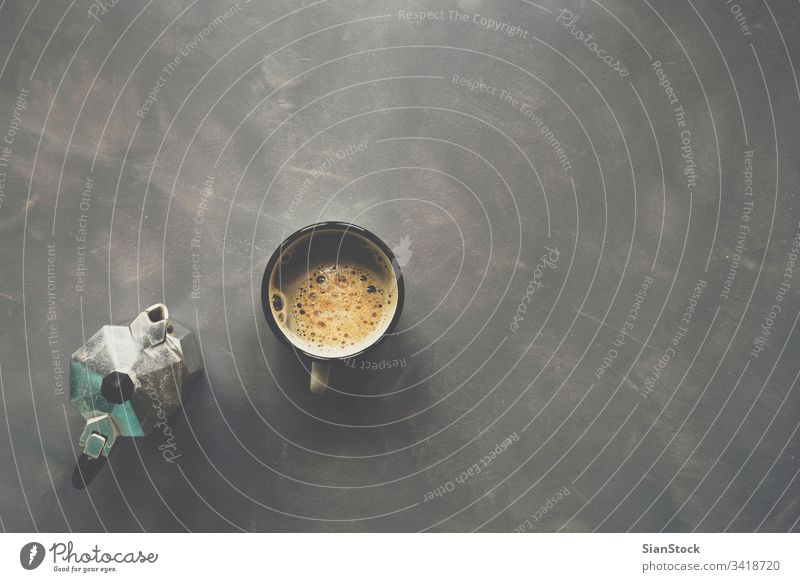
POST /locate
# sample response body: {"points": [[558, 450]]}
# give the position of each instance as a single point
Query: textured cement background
{"points": [[556, 200]]}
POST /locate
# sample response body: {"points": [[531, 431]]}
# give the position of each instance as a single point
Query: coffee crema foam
{"points": [[339, 307]]}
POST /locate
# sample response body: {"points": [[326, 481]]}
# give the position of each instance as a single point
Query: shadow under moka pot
{"points": [[332, 291]]}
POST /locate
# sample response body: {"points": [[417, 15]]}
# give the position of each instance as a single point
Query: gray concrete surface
{"points": [[564, 196]]}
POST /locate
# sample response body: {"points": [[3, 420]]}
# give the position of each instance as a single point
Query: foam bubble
{"points": [[332, 306]]}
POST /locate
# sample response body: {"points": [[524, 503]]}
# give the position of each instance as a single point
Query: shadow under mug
{"points": [[296, 258]]}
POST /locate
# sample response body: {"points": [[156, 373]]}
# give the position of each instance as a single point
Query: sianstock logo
{"points": [[31, 555]]}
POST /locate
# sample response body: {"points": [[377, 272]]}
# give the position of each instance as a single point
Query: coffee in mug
{"points": [[332, 291]]}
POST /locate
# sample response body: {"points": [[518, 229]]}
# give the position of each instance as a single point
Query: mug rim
{"points": [[347, 227]]}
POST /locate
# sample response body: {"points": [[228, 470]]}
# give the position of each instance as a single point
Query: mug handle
{"points": [[320, 372]]}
